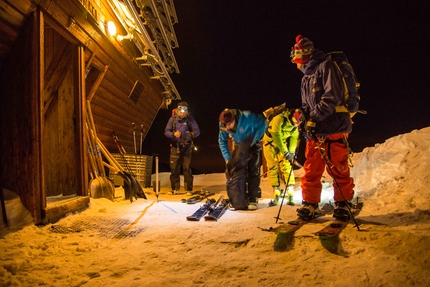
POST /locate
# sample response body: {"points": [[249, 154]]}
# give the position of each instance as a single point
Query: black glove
{"points": [[229, 166], [310, 128], [289, 155]]}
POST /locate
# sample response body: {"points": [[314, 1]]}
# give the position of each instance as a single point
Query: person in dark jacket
{"points": [[327, 127], [182, 128], [243, 163]]}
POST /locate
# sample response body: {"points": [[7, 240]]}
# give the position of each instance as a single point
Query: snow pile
{"points": [[149, 242], [394, 176]]}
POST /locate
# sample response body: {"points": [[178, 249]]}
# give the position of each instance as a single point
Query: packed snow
{"points": [[150, 242]]}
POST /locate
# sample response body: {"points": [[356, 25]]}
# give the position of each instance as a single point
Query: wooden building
{"points": [[62, 66]]}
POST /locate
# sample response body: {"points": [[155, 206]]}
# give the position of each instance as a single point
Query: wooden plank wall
{"points": [[20, 148], [113, 111], [31, 152], [61, 150]]}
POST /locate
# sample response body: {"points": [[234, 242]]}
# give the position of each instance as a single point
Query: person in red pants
{"points": [[327, 126]]}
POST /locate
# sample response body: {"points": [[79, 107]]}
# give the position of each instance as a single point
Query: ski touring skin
{"points": [[209, 206]]}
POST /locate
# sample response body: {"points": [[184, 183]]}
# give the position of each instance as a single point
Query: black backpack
{"points": [[351, 83]]}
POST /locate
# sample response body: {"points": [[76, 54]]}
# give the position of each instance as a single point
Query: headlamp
{"points": [[183, 108]]}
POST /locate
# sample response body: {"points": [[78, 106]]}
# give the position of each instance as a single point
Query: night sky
{"points": [[235, 54]]}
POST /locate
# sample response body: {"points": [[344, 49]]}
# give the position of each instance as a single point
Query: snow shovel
{"points": [[128, 186], [96, 183], [136, 184], [132, 185], [108, 188]]}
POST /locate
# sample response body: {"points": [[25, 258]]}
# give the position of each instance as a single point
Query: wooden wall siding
{"points": [[118, 81], [13, 18], [43, 91], [20, 145], [111, 107], [61, 153]]}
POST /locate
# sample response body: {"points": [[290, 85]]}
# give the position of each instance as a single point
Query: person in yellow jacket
{"points": [[279, 147]]}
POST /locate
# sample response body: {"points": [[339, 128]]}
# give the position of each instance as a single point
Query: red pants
{"points": [[336, 153]]}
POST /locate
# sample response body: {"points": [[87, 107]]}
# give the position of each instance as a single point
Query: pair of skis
{"points": [[196, 198], [337, 226], [285, 232], [212, 210]]}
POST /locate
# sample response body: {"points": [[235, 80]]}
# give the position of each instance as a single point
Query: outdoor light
{"points": [[111, 28], [120, 37]]}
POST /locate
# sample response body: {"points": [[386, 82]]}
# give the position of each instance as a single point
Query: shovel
{"points": [[96, 183], [133, 184], [107, 186], [129, 186]]}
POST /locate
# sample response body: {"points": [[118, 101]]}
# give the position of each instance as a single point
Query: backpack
{"points": [[271, 112], [350, 81]]}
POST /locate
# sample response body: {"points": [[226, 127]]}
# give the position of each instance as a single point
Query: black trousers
{"points": [[243, 175], [180, 157]]}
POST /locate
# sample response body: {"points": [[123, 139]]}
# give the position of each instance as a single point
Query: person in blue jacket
{"points": [[243, 163], [182, 128]]}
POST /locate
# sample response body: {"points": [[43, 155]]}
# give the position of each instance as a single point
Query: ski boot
{"points": [[308, 211], [342, 210], [290, 194], [276, 196]]}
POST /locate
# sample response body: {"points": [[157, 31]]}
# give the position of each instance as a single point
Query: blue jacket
{"points": [[187, 126], [249, 126], [322, 90]]}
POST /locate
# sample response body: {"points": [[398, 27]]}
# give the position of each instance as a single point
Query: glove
{"points": [[229, 167], [228, 164], [310, 128], [289, 155]]}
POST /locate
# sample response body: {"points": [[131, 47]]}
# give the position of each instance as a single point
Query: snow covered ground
{"points": [[150, 243]]}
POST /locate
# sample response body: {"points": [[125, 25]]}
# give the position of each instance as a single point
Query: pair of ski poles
{"points": [[136, 152]]}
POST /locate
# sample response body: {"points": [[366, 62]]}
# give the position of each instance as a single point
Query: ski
{"points": [[285, 232], [192, 199], [197, 198], [219, 210], [335, 227], [209, 206]]}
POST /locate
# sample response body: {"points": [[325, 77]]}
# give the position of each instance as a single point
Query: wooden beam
{"points": [[97, 83]]}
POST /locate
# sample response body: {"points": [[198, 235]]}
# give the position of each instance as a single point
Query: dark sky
{"points": [[235, 54]]}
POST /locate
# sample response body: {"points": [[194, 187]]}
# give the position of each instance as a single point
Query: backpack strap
{"points": [[342, 108]]}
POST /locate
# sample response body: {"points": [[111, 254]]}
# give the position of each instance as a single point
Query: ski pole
{"points": [[289, 176], [141, 138], [136, 164], [156, 176], [142, 130], [134, 137], [283, 194]]}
